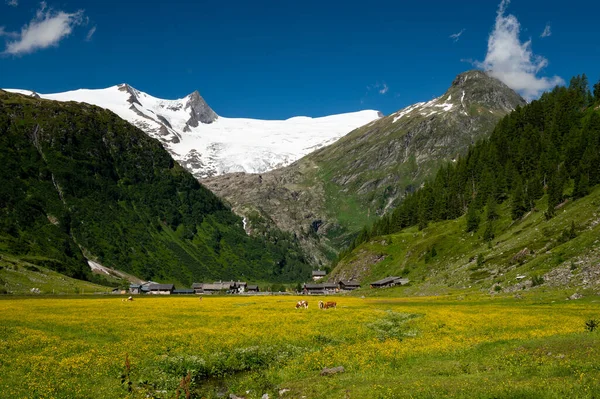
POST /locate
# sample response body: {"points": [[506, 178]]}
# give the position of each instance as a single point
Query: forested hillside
{"points": [[519, 197], [551, 145], [77, 183]]}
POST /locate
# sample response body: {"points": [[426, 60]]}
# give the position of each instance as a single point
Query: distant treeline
{"points": [[542, 148]]}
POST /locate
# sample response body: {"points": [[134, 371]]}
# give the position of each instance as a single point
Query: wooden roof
{"points": [[385, 281], [161, 287], [350, 283], [314, 286]]}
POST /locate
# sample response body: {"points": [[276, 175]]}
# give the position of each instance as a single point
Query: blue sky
{"points": [[277, 59]]}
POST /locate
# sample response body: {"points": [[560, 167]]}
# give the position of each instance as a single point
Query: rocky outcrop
{"points": [[133, 93], [199, 110]]}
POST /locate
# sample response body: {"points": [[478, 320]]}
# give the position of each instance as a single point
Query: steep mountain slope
{"points": [[531, 252], [80, 184], [525, 202], [330, 194], [207, 144]]}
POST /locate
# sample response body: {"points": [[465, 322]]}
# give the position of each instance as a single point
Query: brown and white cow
{"points": [[302, 304], [327, 305]]}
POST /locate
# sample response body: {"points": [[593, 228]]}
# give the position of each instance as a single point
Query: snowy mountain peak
{"points": [[199, 110], [471, 92], [207, 144], [133, 93]]}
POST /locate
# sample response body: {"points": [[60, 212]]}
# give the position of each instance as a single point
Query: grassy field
{"points": [[456, 345]]}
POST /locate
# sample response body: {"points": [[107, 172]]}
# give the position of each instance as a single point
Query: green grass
{"points": [[18, 277], [465, 346], [455, 266]]}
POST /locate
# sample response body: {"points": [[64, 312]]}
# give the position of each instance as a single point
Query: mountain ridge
{"points": [[207, 144], [327, 196]]}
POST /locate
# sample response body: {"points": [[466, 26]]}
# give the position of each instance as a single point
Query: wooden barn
{"points": [[318, 274], [183, 291], [198, 288], [313, 289], [161, 289], [389, 282], [330, 288], [135, 288], [349, 285]]}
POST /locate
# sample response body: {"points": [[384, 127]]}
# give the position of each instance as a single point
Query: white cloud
{"points": [[547, 32], [90, 34], [12, 3], [513, 62], [46, 29], [3, 32], [384, 89], [456, 36]]}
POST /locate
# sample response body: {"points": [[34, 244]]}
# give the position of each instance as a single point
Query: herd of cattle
{"points": [[299, 305], [322, 305]]}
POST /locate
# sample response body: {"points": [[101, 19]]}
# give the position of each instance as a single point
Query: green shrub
{"points": [[591, 325], [393, 326], [537, 280]]}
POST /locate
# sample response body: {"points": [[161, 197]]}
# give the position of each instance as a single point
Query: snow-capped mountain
{"points": [[207, 144]]}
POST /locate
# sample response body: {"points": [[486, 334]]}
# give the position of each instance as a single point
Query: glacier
{"points": [[207, 144]]}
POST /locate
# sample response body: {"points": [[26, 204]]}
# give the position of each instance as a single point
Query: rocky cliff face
{"points": [[330, 194], [199, 110]]}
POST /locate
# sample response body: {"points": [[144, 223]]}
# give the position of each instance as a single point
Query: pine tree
{"points": [[555, 192], [555, 188], [597, 92], [518, 204], [488, 234], [582, 186], [472, 219], [492, 209]]}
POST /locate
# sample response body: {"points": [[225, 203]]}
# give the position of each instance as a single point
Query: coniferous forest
{"points": [[549, 147]]}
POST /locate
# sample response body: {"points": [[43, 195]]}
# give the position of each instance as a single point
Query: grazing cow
{"points": [[130, 299], [327, 305], [302, 304]]}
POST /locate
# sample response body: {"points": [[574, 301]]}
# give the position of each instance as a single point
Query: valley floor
{"points": [[459, 345]]}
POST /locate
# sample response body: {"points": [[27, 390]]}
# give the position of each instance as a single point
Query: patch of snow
{"points": [[446, 106], [19, 91], [403, 112]]}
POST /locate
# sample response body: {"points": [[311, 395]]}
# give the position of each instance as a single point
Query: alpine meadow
{"points": [[356, 215]]}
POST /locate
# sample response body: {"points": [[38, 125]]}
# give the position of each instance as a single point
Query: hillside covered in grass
{"points": [[522, 202], [78, 183]]}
